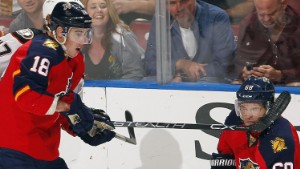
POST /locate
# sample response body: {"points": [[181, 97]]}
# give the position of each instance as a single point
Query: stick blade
{"points": [[128, 117], [276, 110], [126, 139]]}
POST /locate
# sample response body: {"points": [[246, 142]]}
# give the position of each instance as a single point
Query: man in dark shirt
{"points": [[269, 38]]}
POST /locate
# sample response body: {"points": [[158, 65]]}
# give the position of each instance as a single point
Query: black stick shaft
{"points": [[277, 109], [197, 126]]}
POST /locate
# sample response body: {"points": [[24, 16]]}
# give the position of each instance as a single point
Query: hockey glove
{"points": [[80, 117], [99, 138], [101, 122], [222, 161], [101, 130]]}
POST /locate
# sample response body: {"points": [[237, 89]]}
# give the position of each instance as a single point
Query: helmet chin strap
{"points": [[55, 37], [61, 43]]}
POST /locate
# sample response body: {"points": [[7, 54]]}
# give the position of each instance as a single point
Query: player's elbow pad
{"points": [[222, 161]]}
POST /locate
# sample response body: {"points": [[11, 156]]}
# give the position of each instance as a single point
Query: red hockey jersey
{"points": [[37, 76], [275, 148]]}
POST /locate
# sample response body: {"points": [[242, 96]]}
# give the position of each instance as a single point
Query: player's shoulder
{"points": [[45, 43], [281, 129], [281, 126], [277, 142], [25, 35], [46, 47]]}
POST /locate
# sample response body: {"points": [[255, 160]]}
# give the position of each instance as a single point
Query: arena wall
{"points": [[151, 102]]}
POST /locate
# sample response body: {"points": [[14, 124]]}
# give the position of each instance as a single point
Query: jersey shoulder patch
{"points": [[45, 46], [24, 35]]}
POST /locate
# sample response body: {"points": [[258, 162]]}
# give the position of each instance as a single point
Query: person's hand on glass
{"points": [[192, 70]]}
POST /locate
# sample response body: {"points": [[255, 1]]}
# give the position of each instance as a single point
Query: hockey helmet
{"points": [[49, 5], [65, 13], [255, 89]]}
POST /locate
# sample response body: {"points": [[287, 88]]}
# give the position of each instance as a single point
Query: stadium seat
{"points": [[140, 28], [5, 21]]}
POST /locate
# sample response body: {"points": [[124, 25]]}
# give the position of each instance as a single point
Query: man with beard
{"points": [[202, 42], [269, 43]]}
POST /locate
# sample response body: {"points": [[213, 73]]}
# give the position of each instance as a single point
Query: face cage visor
{"points": [[80, 35], [238, 111]]}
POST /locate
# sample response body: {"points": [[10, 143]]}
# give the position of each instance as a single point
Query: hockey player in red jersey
{"points": [[36, 92], [277, 147], [12, 41]]}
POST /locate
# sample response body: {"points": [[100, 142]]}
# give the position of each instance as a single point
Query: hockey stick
{"points": [[132, 139], [276, 110], [98, 126]]}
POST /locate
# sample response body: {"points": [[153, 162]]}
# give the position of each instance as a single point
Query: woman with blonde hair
{"points": [[114, 52]]}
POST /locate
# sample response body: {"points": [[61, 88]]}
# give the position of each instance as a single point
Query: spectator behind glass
{"points": [[202, 42], [236, 9], [114, 52], [29, 17], [270, 39], [130, 10]]}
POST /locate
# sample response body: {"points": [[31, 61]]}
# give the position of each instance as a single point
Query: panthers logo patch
{"points": [[51, 44], [278, 144], [67, 6], [248, 164], [25, 33]]}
